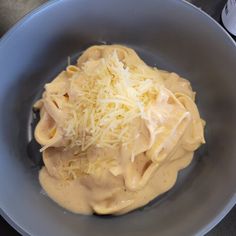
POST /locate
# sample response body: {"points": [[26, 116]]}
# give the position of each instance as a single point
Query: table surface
{"points": [[12, 10]]}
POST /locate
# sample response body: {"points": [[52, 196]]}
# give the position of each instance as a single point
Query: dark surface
{"points": [[11, 10]]}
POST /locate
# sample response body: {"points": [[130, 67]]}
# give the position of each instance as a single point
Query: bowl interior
{"points": [[171, 35]]}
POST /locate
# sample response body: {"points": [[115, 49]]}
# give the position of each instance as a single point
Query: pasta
{"points": [[115, 132]]}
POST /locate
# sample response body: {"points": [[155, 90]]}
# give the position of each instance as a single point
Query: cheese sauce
{"points": [[115, 132]]}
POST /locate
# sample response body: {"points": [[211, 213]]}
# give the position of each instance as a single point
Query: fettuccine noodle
{"points": [[115, 132]]}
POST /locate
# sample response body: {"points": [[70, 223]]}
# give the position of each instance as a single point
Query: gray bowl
{"points": [[172, 35]]}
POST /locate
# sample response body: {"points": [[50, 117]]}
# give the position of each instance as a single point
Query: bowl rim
{"points": [[27, 17]]}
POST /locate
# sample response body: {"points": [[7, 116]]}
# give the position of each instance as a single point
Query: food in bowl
{"points": [[115, 132]]}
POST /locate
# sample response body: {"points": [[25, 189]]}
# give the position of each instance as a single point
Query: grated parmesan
{"points": [[105, 96]]}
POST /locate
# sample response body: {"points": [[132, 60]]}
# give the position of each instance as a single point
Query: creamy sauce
{"points": [[77, 198], [99, 159]]}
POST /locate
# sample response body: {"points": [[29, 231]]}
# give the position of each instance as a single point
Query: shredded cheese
{"points": [[105, 96]]}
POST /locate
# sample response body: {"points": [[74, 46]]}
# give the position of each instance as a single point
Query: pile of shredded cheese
{"points": [[105, 96]]}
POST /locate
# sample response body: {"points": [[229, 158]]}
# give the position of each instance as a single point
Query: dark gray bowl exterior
{"points": [[171, 34]]}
